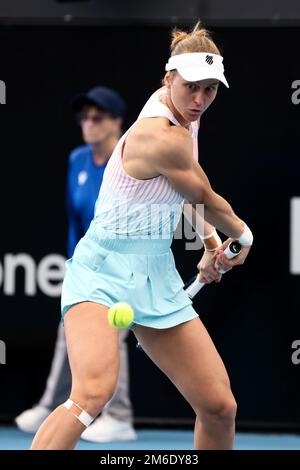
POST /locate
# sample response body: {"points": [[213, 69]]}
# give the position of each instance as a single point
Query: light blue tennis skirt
{"points": [[141, 272]]}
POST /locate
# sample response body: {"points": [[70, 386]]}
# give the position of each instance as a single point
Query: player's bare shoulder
{"points": [[176, 147], [153, 145]]}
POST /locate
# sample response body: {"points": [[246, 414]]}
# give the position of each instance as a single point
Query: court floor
{"points": [[11, 439]]}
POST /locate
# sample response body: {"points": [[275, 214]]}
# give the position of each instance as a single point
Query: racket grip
{"points": [[231, 251], [194, 288]]}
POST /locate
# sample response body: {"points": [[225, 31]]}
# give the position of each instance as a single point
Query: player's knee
{"points": [[94, 394], [221, 408], [226, 409], [87, 401]]}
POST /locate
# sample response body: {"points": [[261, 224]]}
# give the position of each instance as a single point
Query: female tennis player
{"points": [[125, 255]]}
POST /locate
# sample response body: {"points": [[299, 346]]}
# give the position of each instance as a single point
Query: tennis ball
{"points": [[120, 315]]}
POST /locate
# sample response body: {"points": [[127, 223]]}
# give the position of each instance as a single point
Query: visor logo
{"points": [[209, 59]]}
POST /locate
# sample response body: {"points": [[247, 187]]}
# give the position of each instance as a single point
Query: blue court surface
{"points": [[13, 439]]}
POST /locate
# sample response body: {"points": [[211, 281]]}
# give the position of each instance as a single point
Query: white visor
{"points": [[195, 66]]}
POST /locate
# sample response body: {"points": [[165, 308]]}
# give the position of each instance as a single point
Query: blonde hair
{"points": [[198, 40]]}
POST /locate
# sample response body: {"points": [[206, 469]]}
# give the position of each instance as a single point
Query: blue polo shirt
{"points": [[83, 183]]}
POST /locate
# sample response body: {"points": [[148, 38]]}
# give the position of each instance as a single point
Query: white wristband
{"points": [[218, 239], [205, 237], [246, 239], [214, 234]]}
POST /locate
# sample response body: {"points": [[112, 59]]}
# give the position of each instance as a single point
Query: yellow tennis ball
{"points": [[120, 315]]}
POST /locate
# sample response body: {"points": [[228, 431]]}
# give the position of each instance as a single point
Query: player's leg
{"points": [[59, 380], [187, 355], [93, 349], [120, 405], [116, 420]]}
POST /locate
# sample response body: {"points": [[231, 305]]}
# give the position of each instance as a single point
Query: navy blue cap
{"points": [[104, 98]]}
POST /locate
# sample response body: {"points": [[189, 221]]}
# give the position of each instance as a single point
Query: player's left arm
{"points": [[213, 259], [211, 241]]}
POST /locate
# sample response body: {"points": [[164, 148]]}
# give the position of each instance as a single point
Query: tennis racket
{"points": [[193, 286]]}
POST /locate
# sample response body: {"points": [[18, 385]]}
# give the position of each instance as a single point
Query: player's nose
{"points": [[199, 99]]}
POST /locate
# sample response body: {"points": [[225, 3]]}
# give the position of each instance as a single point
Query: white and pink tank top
{"points": [[130, 207]]}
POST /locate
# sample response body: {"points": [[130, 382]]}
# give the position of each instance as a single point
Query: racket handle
{"points": [[231, 251], [194, 288]]}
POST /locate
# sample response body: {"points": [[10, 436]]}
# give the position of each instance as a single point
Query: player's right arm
{"points": [[174, 159]]}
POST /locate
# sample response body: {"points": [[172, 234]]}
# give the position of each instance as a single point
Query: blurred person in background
{"points": [[100, 112]]}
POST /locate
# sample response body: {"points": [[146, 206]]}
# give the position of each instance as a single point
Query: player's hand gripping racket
{"points": [[192, 288]]}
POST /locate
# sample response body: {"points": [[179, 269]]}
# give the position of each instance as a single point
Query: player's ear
{"points": [[168, 78]]}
